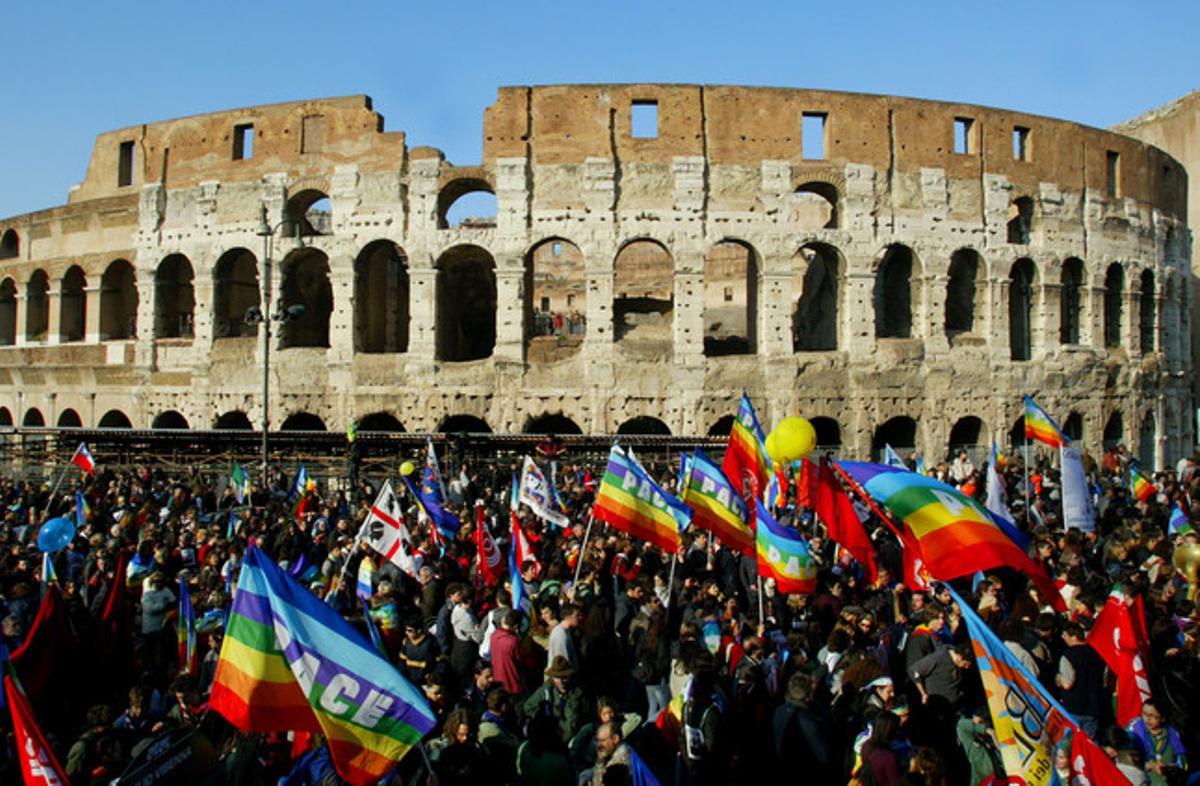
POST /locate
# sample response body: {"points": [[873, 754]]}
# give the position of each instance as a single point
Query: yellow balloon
{"points": [[773, 449], [407, 468], [795, 438]]}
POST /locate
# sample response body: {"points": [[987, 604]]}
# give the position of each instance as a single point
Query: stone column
{"points": [[688, 319], [204, 290], [422, 336], [858, 314], [934, 322], [510, 309], [91, 313], [21, 314], [1051, 317], [1091, 322], [775, 318], [146, 305], [341, 321], [1131, 324], [54, 315]]}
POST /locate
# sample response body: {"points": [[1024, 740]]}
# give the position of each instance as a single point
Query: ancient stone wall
{"points": [[904, 270]]}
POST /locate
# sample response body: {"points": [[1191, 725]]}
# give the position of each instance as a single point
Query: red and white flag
{"points": [[38, 764], [385, 532], [83, 459], [520, 543], [1119, 636], [486, 554]]}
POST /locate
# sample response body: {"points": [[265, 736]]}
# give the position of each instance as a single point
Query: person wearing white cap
{"points": [[880, 696]]}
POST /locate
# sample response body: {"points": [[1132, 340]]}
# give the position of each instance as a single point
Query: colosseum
{"points": [[901, 271]]}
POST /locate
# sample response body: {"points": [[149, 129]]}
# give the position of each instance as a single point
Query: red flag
{"points": [[487, 556], [43, 661], [1123, 645], [1090, 765], [83, 459], [834, 508], [916, 575], [38, 764], [806, 485]]}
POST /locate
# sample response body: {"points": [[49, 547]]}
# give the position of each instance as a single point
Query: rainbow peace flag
{"points": [[291, 663], [630, 501], [746, 455], [716, 505], [1179, 524], [783, 555], [956, 536], [1040, 427], [1140, 485]]}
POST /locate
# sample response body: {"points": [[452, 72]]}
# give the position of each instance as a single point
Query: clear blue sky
{"points": [[75, 69]]}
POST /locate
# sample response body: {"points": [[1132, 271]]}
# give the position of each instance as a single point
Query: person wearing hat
{"points": [[561, 699], [880, 695]]}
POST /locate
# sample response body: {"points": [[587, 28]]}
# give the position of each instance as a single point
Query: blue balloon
{"points": [[55, 534]]}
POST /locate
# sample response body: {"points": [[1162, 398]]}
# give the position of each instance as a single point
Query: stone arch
{"points": [[555, 308], [306, 283], [900, 432], [380, 421], [8, 312], [461, 190], [69, 418], [235, 291], [816, 275], [10, 244], [466, 424], [965, 298], [730, 299], [303, 421], [1022, 288], [466, 304], [382, 298], [33, 417], [1020, 220], [966, 435], [829, 433], [1114, 430], [73, 299], [897, 294], [1073, 426], [37, 306], [118, 302], [1073, 280], [643, 292], [722, 426], [814, 205], [1114, 291], [1147, 318], [551, 423], [114, 418], [310, 210], [6, 418], [174, 298], [644, 425], [234, 420], [1148, 442], [170, 419]]}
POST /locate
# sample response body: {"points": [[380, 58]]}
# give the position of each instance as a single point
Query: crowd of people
{"points": [[636, 665]]}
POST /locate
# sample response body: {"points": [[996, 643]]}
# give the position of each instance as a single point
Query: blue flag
{"points": [[299, 485], [447, 523], [519, 601], [642, 775], [376, 639]]}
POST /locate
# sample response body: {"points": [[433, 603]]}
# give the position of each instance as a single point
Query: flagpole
{"points": [[878, 511], [54, 489], [1028, 490], [671, 580], [587, 533], [761, 619]]}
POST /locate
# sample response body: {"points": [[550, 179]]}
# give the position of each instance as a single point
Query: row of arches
{"points": [[556, 292]]}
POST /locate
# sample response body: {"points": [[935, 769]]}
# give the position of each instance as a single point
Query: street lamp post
{"points": [[264, 316]]}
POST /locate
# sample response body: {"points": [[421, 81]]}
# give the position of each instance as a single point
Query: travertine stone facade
{"points": [[905, 273]]}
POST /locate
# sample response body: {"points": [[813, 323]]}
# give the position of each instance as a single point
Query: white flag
{"points": [[1076, 500], [997, 499], [384, 530], [539, 495]]}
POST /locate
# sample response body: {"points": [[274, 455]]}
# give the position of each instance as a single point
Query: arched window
{"points": [[1073, 427], [8, 312], [6, 418], [114, 418], [169, 420], [814, 206], [556, 300], [235, 420], [236, 290], [1114, 287], [466, 202], [643, 293], [815, 288], [730, 299], [33, 417], [1114, 431], [1146, 307], [900, 433], [556, 423], [1070, 302], [174, 298], [381, 298], [722, 427], [1020, 309], [302, 421], [965, 435], [37, 306], [311, 211], [644, 425], [118, 302], [306, 283], [380, 421], [69, 418], [466, 304], [963, 295], [465, 424], [896, 293], [74, 306], [1020, 220], [10, 244], [829, 433]]}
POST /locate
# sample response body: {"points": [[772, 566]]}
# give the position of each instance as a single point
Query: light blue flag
{"points": [[892, 458]]}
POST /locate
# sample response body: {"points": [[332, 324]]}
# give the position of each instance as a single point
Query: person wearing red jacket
{"points": [[506, 655]]}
